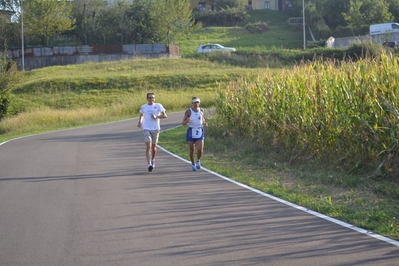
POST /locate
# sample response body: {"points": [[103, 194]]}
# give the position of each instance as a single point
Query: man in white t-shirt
{"points": [[149, 120]]}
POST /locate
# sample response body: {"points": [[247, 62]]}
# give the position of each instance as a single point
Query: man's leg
{"points": [[148, 141], [155, 137], [148, 152], [153, 153], [191, 153], [200, 148]]}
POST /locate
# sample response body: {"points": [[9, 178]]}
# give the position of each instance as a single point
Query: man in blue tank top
{"points": [[194, 118]]}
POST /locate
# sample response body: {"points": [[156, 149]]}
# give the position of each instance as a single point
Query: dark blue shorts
{"points": [[194, 134]]}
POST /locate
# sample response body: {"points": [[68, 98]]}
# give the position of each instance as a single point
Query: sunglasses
{"points": [[151, 97], [196, 102]]}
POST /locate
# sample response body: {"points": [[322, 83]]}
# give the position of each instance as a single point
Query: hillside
{"points": [[279, 35]]}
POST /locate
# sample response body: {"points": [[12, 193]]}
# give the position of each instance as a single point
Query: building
{"points": [[278, 5], [6, 15]]}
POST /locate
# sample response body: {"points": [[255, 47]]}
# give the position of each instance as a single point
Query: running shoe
{"points": [[193, 167], [198, 164], [153, 163], [150, 167]]}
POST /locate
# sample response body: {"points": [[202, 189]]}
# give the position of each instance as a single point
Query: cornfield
{"points": [[342, 110]]}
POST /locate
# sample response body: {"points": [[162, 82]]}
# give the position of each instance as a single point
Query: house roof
{"points": [[6, 14]]}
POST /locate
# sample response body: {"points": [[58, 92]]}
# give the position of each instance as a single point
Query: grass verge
{"points": [[355, 199]]}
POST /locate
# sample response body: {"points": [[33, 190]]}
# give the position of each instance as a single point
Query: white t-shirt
{"points": [[147, 110]]}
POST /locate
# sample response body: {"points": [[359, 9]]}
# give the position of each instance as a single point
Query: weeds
{"points": [[313, 184]]}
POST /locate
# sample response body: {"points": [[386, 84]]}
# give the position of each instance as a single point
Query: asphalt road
{"points": [[84, 197]]}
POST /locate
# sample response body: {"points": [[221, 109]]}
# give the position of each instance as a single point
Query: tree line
{"points": [[57, 22], [337, 18], [343, 18]]}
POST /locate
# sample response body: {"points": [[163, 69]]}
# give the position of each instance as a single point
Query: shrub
{"points": [[8, 74], [225, 17], [257, 27], [313, 44]]}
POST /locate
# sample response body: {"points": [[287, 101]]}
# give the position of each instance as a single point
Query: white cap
{"points": [[195, 99]]}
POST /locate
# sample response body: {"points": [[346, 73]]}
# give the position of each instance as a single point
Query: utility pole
{"points": [[303, 24], [22, 36]]}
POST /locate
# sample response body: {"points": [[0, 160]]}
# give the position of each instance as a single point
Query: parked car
{"points": [[384, 28], [214, 47]]}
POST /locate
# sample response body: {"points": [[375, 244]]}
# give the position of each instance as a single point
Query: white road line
{"points": [[350, 226], [4, 142], [325, 217]]}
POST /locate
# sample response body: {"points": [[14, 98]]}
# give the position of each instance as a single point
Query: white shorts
{"points": [[151, 136]]}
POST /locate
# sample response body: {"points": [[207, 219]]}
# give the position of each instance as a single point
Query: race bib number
{"points": [[196, 132]]}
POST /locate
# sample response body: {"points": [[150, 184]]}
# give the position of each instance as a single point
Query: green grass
{"points": [[271, 17], [242, 40], [278, 36], [118, 84], [366, 203], [42, 118]]}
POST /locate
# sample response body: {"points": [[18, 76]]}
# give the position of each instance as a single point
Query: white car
{"points": [[214, 47]]}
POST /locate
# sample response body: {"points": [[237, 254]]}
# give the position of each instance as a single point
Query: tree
{"points": [[171, 18], [86, 14], [315, 19], [140, 13], [47, 18], [12, 5], [8, 77], [3, 29], [332, 13], [366, 12], [97, 23], [394, 9], [125, 24], [10, 33]]}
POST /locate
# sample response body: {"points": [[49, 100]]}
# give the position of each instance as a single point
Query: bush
{"points": [[364, 49], [8, 75], [257, 27], [224, 18], [345, 31], [313, 44], [4, 102]]}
